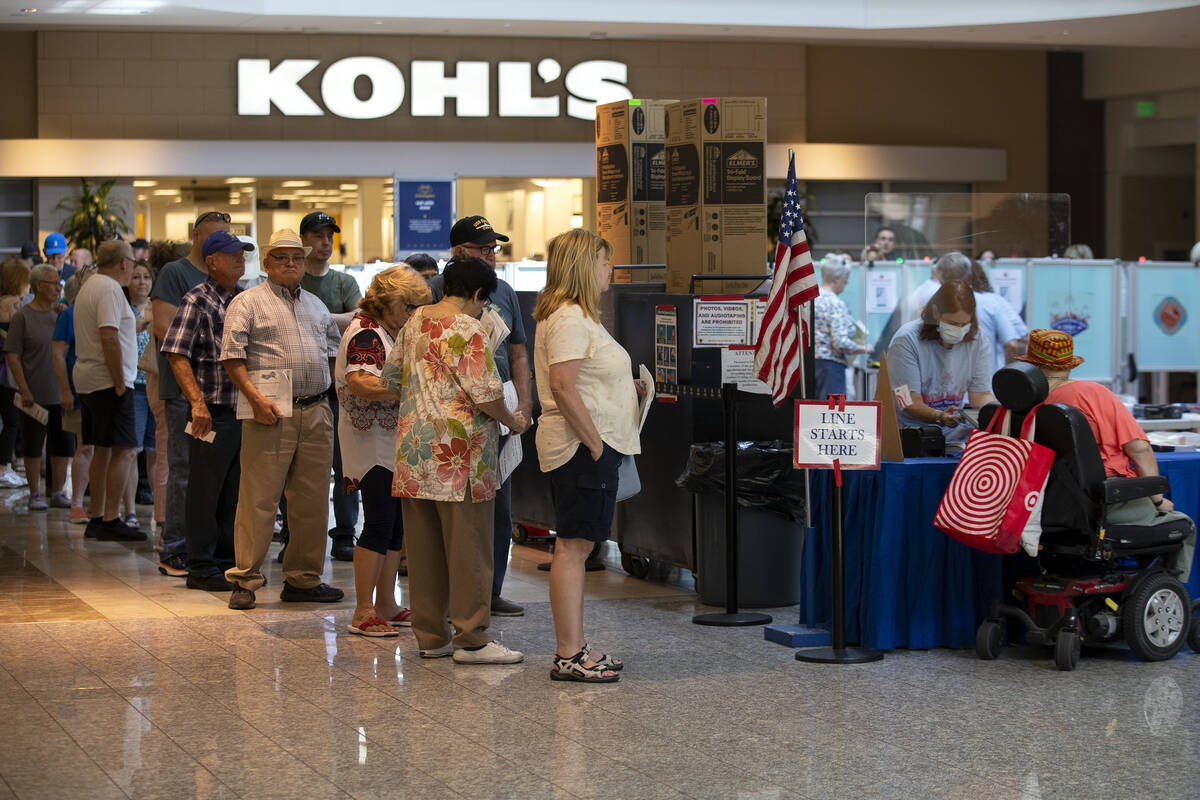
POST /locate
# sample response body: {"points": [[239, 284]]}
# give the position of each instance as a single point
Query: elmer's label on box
{"points": [[716, 192], [630, 181]]}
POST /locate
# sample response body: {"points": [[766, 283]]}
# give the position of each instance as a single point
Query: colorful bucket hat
{"points": [[1053, 349]]}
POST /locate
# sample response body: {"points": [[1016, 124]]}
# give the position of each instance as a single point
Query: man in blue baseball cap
{"points": [[193, 348], [55, 250]]}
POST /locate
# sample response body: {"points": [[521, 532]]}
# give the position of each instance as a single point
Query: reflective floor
{"points": [[117, 682]]}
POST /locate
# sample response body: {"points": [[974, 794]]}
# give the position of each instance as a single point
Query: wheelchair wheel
{"points": [[1156, 616], [519, 534], [1066, 650], [988, 639]]}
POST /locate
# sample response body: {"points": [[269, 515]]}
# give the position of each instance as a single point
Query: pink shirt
{"points": [[1112, 424]]}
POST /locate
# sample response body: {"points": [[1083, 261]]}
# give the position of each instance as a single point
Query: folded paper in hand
{"points": [[208, 437], [273, 384]]}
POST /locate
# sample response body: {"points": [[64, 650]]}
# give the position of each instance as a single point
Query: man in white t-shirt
{"points": [[105, 371]]}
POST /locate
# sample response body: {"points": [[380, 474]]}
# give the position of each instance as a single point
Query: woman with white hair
{"points": [[31, 363], [834, 328]]}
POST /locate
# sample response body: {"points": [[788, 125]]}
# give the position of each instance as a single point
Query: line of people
{"points": [[402, 397]]}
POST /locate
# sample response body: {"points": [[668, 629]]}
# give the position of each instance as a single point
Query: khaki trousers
{"points": [[449, 570], [297, 453]]}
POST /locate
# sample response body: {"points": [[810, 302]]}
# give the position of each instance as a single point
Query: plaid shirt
{"points": [[272, 328], [196, 333]]}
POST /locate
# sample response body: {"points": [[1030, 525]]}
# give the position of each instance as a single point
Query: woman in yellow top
{"points": [[588, 422]]}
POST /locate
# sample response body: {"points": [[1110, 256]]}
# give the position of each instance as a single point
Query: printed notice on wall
{"points": [[666, 352], [737, 366], [722, 321], [881, 291], [1010, 284]]}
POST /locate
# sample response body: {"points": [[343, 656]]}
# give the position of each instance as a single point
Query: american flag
{"points": [[777, 356]]}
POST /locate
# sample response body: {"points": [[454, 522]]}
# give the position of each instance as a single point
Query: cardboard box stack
{"points": [[716, 192], [630, 208]]}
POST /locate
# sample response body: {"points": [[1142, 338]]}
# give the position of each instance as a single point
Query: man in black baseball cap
{"points": [[474, 237], [340, 294]]}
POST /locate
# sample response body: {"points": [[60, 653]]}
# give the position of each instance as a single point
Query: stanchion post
{"points": [[839, 653], [731, 617]]}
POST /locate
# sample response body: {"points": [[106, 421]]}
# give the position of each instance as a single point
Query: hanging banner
{"points": [[424, 215]]}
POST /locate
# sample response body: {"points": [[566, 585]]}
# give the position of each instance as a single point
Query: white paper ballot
{"points": [[273, 384], [495, 326], [208, 437], [647, 380], [38, 412], [510, 402], [510, 456]]}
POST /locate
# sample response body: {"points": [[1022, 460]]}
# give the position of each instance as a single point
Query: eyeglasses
{"points": [[288, 259], [221, 215], [484, 248]]}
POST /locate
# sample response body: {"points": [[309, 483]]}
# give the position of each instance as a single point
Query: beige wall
{"points": [[174, 85], [936, 97], [18, 65]]}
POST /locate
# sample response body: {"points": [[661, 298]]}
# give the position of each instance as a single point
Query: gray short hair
{"points": [[834, 268], [953, 266], [43, 272]]}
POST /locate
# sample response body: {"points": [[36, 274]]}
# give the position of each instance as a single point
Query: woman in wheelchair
{"points": [[1124, 448], [941, 359]]}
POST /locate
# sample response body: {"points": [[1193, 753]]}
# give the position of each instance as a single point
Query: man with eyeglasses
{"points": [[474, 237], [176, 279], [105, 371], [278, 327], [340, 294]]}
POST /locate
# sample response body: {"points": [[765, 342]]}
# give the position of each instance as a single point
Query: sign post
{"points": [[837, 435]]}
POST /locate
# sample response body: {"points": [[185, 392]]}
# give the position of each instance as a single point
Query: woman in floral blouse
{"points": [[367, 433], [833, 345], [446, 465]]}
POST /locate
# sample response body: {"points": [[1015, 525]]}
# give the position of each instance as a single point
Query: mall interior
{"points": [[1053, 143]]}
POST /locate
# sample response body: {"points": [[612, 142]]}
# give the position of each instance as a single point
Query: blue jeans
{"points": [[143, 424], [174, 538], [501, 533], [345, 506], [831, 378]]}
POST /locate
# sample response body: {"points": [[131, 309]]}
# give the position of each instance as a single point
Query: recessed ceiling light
{"points": [[295, 184], [348, 187], [165, 192], [239, 180], [145, 184]]}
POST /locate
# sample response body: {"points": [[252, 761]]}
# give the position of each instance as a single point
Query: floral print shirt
{"points": [[834, 327], [443, 370]]}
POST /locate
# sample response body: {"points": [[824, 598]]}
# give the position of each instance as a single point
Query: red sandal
{"points": [[373, 626]]}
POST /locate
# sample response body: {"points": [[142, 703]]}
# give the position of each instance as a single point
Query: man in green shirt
{"points": [[340, 294]]}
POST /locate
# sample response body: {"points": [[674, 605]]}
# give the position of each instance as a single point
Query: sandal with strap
{"points": [[573, 669], [373, 626], [605, 660]]}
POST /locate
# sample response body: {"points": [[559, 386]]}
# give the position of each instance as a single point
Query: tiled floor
{"points": [[116, 682]]}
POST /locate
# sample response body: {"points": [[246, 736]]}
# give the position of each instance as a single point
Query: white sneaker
{"points": [[10, 478], [490, 653]]}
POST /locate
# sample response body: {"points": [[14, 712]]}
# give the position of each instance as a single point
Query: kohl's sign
{"points": [[428, 87]]}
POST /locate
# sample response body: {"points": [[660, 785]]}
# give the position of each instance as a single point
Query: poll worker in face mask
{"points": [[938, 359]]}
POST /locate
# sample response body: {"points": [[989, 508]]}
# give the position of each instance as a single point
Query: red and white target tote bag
{"points": [[994, 501]]}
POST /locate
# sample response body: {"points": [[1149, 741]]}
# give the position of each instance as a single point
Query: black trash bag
{"points": [[765, 477]]}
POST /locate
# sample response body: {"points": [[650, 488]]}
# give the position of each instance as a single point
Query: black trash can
{"points": [[770, 497]]}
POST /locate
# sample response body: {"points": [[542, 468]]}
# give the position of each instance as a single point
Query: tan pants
{"points": [[296, 452], [449, 570]]}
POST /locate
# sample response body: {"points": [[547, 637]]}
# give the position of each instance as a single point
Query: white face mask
{"points": [[952, 334]]}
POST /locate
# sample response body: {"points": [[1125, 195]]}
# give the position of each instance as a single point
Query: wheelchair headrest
{"points": [[1020, 386]]}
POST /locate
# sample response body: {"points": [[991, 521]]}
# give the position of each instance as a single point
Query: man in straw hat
{"points": [[278, 347], [1124, 447]]}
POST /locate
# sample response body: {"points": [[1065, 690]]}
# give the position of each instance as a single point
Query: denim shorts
{"points": [[585, 495]]}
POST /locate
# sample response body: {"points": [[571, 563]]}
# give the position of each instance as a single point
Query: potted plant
{"points": [[95, 217]]}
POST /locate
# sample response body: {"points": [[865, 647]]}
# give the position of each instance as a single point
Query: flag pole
{"points": [[803, 390]]}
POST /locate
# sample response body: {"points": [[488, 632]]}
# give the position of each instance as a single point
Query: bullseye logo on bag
{"points": [[1031, 500], [587, 84]]}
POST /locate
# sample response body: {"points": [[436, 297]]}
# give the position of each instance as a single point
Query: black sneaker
{"points": [[321, 593], [342, 548], [209, 583], [93, 527], [506, 608], [241, 599], [174, 566], [144, 498], [114, 530]]}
